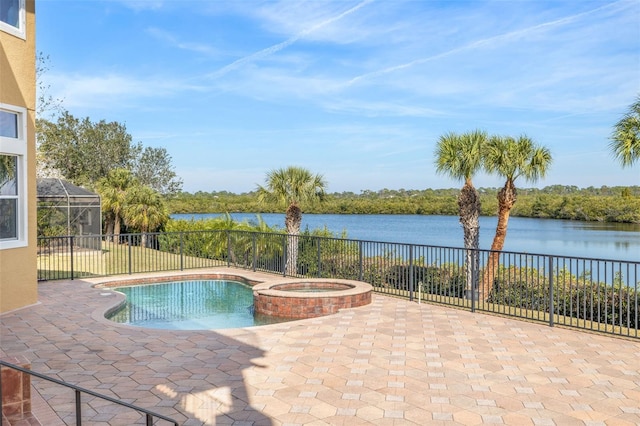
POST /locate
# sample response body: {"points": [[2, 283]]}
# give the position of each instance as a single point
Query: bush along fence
{"points": [[600, 295]]}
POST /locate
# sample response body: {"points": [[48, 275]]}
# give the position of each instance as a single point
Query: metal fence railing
{"points": [[78, 392], [595, 294]]}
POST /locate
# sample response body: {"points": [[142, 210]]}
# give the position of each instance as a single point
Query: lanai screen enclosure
{"points": [[70, 209]]}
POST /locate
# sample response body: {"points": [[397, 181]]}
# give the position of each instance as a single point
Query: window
{"points": [[13, 177], [8, 124], [8, 197], [12, 17]]}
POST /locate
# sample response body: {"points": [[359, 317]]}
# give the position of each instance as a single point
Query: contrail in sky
{"points": [[277, 47], [506, 36]]}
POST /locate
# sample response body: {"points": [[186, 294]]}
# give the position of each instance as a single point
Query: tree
{"points": [[510, 158], [46, 105], [144, 211], [460, 157], [7, 169], [113, 191], [291, 187], [45, 102], [84, 151], [153, 168], [625, 140]]}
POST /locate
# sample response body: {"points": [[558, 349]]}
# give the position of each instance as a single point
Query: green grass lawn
{"points": [[114, 259]]}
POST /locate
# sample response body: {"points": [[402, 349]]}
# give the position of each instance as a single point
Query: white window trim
{"points": [[18, 147], [21, 31]]}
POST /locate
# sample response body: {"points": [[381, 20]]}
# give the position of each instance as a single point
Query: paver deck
{"points": [[393, 362]]}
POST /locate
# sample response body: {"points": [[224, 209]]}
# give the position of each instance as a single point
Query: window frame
{"points": [[18, 147], [20, 30]]}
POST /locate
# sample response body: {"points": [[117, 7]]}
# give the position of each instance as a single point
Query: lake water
{"points": [[528, 235]]}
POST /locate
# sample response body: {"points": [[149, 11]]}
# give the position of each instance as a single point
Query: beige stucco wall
{"points": [[18, 274]]}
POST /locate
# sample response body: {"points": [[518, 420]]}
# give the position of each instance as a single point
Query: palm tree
{"points": [[510, 158], [460, 157], [113, 191], [291, 187], [625, 140], [145, 211]]}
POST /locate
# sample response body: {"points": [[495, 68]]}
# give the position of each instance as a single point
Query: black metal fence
{"points": [[149, 416], [594, 294]]}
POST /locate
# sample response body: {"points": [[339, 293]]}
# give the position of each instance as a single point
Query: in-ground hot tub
{"points": [[309, 298]]}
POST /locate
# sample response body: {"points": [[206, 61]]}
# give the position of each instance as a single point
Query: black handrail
{"points": [[150, 415]]}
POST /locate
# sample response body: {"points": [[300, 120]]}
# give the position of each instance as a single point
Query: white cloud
{"points": [[139, 5], [175, 41], [291, 40], [542, 66], [484, 43], [380, 108], [291, 18], [112, 91]]}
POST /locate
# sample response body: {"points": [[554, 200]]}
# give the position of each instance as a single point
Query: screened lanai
{"points": [[67, 209]]}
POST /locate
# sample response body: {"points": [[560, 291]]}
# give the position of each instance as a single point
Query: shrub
{"points": [[442, 281]]}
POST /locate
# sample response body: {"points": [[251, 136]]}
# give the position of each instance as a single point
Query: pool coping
{"points": [[354, 287]]}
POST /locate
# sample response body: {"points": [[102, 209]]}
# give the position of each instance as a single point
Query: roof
{"points": [[51, 187]]}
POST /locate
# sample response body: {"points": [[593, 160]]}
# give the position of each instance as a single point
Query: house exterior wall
{"points": [[18, 274]]}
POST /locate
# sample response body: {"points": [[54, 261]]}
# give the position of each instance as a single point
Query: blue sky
{"points": [[359, 91]]}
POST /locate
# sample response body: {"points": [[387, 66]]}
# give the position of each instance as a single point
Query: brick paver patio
{"points": [[393, 362]]}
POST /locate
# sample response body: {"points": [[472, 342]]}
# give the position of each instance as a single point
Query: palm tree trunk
{"points": [[469, 208], [292, 221], [116, 229], [108, 226], [506, 199]]}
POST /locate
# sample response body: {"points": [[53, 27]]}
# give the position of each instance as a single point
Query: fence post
{"points": [[129, 242], [228, 248], [319, 240], [474, 282], [411, 273], [551, 304], [254, 246], [284, 255], [1, 407], [181, 251], [71, 253], [360, 266], [78, 407]]}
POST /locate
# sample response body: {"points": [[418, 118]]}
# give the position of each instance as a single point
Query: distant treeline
{"points": [[604, 204]]}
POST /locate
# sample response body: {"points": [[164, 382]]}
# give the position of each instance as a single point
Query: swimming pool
{"points": [[202, 304]]}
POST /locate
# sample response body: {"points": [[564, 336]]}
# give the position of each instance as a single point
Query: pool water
{"points": [[308, 290], [190, 305]]}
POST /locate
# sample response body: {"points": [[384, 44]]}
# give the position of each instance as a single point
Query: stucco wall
{"points": [[18, 274]]}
